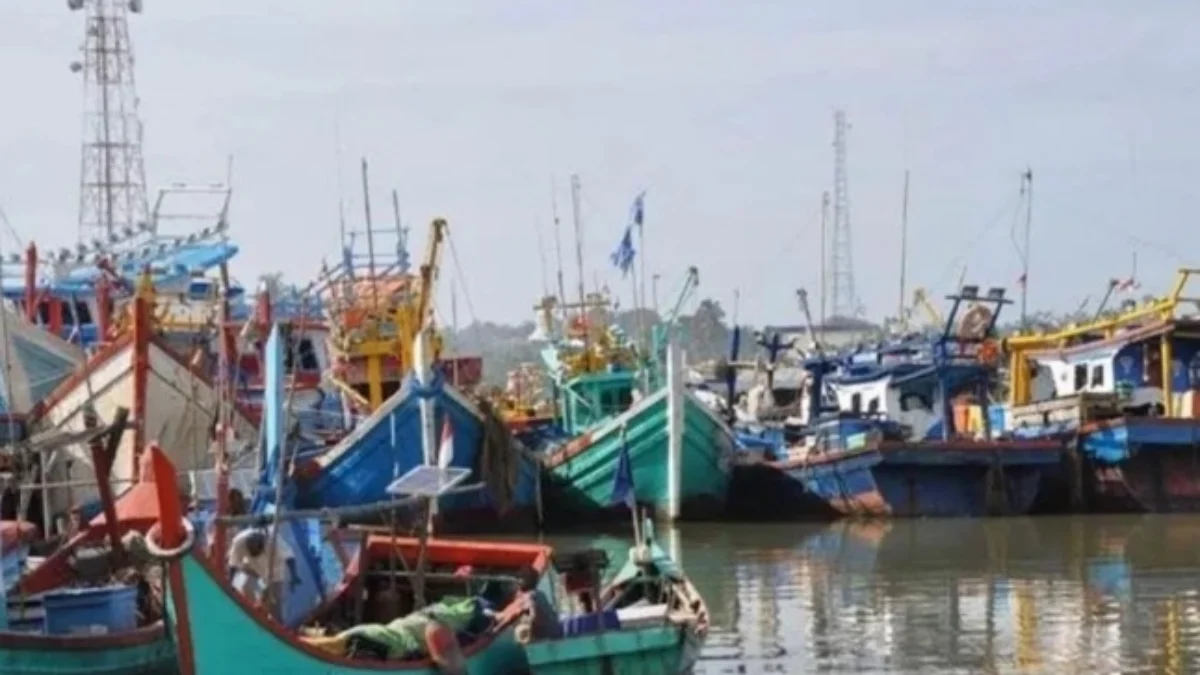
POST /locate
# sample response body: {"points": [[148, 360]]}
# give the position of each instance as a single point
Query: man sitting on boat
{"points": [[545, 615], [248, 553]]}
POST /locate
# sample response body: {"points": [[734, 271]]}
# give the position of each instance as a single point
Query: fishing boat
{"points": [[1125, 390], [65, 616], [607, 398], [79, 294], [216, 628], [650, 619], [375, 306], [887, 438], [35, 362], [172, 401], [374, 322]]}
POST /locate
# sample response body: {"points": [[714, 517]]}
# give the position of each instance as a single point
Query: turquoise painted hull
{"points": [[146, 652], [227, 639], [584, 479], [658, 650]]}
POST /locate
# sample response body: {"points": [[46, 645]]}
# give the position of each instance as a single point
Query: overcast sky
{"points": [[722, 111]]}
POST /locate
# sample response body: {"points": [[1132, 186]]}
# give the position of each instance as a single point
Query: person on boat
{"points": [[545, 623], [249, 554]]}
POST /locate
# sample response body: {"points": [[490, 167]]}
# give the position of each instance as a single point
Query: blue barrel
{"points": [[91, 611]]}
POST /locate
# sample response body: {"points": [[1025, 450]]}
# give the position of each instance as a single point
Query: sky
{"points": [[721, 111]]}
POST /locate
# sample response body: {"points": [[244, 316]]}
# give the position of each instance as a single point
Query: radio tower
{"points": [[845, 302], [112, 181]]}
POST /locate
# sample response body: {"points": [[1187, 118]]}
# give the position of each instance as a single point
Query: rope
{"points": [[459, 274]]}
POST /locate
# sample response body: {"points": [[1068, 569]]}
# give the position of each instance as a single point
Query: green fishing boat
{"points": [[652, 621], [609, 397]]}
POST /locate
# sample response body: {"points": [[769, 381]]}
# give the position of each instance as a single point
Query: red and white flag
{"points": [[446, 449], [1127, 285]]}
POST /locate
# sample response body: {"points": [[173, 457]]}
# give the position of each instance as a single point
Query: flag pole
{"points": [[633, 508]]}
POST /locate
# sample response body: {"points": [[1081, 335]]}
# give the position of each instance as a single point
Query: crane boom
{"points": [[429, 273]]}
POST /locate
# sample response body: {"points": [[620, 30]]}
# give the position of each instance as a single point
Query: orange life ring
{"points": [[989, 352]]}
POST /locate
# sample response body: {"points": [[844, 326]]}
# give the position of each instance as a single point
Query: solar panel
{"points": [[428, 481]]}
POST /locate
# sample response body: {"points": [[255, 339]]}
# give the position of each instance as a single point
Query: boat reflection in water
{"points": [[1045, 595]]}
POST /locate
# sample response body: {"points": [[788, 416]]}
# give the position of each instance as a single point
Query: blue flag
{"points": [[623, 489], [622, 258], [638, 210]]}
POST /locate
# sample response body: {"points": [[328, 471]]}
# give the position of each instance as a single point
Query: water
{"points": [[1090, 594]]}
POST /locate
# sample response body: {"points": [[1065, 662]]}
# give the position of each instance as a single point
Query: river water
{"points": [[1061, 595]]}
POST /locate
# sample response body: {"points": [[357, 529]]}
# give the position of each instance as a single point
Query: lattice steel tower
{"points": [[112, 182], [841, 267]]}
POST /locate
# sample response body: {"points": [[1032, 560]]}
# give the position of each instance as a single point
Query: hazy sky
{"points": [[722, 111]]}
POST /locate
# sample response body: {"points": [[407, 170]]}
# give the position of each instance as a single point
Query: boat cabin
{"points": [[590, 399], [1129, 367]]}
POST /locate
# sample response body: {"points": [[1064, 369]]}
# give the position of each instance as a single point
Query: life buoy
{"points": [[157, 552], [989, 352]]}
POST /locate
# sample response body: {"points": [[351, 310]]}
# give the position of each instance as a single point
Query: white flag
{"points": [[446, 449]]}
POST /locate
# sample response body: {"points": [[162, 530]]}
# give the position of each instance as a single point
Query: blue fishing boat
{"points": [[1124, 390], [78, 293], [888, 440], [389, 442]]}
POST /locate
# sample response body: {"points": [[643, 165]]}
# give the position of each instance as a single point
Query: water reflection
{"points": [[1047, 595]]}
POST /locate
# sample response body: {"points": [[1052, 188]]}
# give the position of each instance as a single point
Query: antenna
{"points": [[845, 302], [112, 182]]}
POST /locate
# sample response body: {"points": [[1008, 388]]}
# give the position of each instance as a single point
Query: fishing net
{"points": [[498, 457], [405, 637]]}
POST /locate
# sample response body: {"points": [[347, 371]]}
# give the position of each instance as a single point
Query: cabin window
{"points": [[83, 314], [308, 355], [1081, 377], [1097, 376], [873, 405], [856, 403]]}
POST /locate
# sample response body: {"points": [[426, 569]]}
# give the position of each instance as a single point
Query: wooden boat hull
{"points": [[147, 651], [582, 472], [653, 650], [223, 634], [174, 404], [1132, 464], [1143, 464], [388, 444], [951, 479]]}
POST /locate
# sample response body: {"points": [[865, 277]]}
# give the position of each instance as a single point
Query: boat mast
{"points": [[578, 223], [370, 236], [337, 139], [903, 255], [1027, 191], [558, 259]]}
